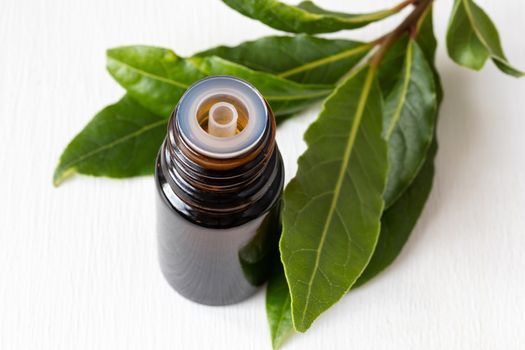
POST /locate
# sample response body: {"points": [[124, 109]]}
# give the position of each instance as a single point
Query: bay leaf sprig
{"points": [[325, 63], [367, 172], [307, 17], [332, 208], [398, 221]]}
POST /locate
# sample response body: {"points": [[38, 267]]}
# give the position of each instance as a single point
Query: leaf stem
{"points": [[386, 41], [404, 4]]}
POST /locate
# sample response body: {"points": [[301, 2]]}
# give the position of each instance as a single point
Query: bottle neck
{"points": [[220, 192]]}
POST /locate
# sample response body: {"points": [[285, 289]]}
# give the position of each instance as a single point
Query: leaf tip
{"points": [[301, 327], [278, 342], [506, 68], [301, 323], [60, 175]]}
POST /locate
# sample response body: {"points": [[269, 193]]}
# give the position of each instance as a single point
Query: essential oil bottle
{"points": [[219, 177]]}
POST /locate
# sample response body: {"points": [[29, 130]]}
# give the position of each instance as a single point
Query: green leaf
{"points": [[410, 110], [284, 96], [426, 40], [120, 141], [301, 58], [157, 78], [396, 225], [399, 220], [278, 307], [389, 72], [306, 17], [472, 38], [332, 208]]}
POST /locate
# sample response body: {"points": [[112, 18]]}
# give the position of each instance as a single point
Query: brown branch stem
{"points": [[409, 23], [404, 4]]}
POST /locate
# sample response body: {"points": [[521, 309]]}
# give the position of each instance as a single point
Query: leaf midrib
{"points": [[181, 85], [352, 18], [325, 60], [150, 75], [476, 30], [281, 317], [345, 160], [401, 102]]}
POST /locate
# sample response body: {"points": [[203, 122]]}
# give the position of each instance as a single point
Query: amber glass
{"points": [[218, 219]]}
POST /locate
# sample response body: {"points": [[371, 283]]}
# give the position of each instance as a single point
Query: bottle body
{"points": [[218, 220], [216, 266]]}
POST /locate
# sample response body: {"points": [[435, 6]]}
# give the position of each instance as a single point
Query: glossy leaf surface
{"points": [[157, 78], [305, 17], [427, 42], [122, 140], [472, 38], [284, 96], [303, 58], [409, 115], [397, 224], [333, 206], [399, 220], [278, 307]]}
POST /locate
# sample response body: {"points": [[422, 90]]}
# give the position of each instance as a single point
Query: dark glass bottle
{"points": [[219, 177]]}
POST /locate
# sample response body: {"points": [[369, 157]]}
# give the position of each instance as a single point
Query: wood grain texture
{"points": [[78, 264]]}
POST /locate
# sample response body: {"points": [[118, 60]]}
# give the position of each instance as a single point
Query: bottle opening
{"points": [[222, 117]]}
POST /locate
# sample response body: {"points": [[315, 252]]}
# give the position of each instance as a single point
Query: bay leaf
{"points": [[122, 140], [399, 220], [306, 17], [278, 306], [472, 38], [397, 224], [390, 70], [285, 96], [333, 206], [410, 110], [154, 77], [157, 78], [426, 39], [301, 58]]}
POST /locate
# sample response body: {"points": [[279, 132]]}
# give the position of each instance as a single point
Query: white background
{"points": [[78, 266]]}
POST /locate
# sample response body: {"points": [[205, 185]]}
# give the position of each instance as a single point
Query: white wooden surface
{"points": [[78, 265]]}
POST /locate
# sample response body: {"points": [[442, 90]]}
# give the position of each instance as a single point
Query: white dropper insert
{"points": [[231, 101], [222, 120]]}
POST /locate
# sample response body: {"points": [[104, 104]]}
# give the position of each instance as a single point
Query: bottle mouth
{"points": [[222, 117], [220, 155]]}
